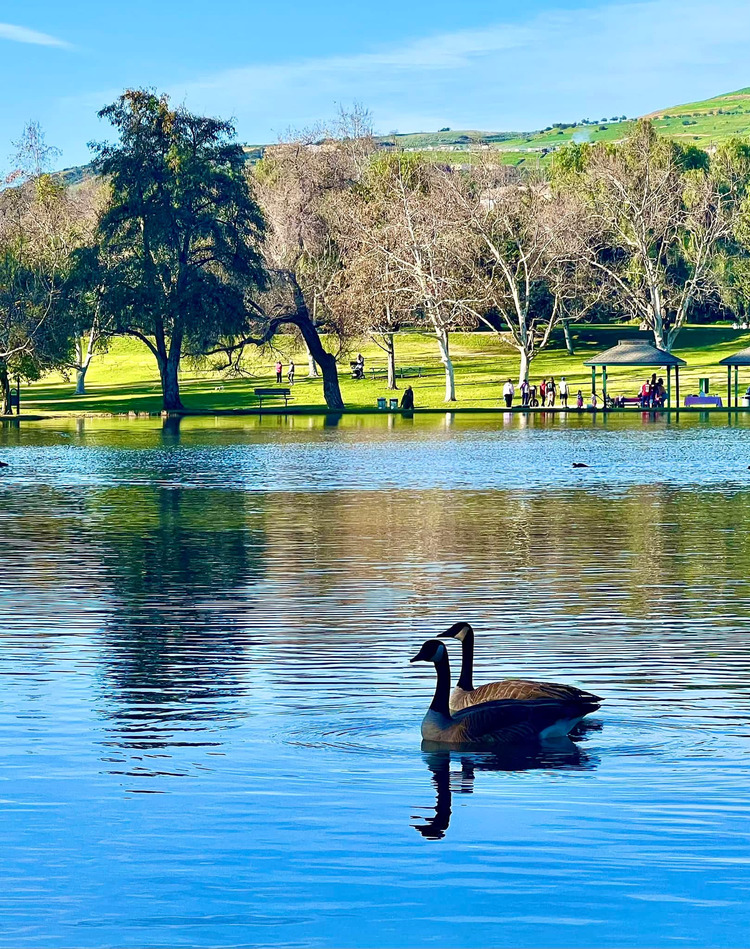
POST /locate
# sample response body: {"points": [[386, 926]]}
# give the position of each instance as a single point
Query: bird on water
{"points": [[465, 694], [504, 722]]}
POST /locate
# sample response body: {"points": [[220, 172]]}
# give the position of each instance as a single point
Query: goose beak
{"points": [[417, 658]]}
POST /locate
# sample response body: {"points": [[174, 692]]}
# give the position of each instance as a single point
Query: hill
{"points": [[705, 123]]}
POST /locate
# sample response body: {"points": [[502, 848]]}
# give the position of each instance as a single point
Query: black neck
{"points": [[440, 700], [465, 680]]}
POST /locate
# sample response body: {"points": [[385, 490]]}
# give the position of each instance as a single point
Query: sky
{"points": [[495, 65]]}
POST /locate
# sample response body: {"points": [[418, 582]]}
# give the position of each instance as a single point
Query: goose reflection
{"points": [[560, 755]]}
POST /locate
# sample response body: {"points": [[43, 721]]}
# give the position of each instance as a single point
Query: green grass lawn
{"points": [[124, 379]]}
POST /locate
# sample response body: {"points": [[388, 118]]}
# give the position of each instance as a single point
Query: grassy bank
{"points": [[124, 379]]}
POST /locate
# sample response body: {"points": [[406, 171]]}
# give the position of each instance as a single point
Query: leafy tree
{"points": [[180, 234]]}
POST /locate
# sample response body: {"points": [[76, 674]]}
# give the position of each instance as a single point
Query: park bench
{"points": [[269, 393]]}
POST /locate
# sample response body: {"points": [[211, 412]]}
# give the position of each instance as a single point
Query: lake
{"points": [[209, 727]]}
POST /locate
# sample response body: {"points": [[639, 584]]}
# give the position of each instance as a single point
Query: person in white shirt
{"points": [[563, 390], [509, 391]]}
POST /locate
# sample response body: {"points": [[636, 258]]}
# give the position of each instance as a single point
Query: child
{"points": [[579, 400]]}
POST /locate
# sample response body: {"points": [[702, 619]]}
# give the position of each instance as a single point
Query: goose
{"points": [[4, 464], [504, 722], [465, 694]]}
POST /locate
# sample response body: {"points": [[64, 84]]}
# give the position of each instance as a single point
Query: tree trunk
{"points": [[81, 380], [170, 385], [327, 362], [83, 360], [445, 358], [523, 372], [4, 389], [390, 350], [568, 338], [312, 366]]}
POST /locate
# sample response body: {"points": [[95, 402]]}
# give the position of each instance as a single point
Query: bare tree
{"points": [[299, 183], [655, 217], [406, 228]]}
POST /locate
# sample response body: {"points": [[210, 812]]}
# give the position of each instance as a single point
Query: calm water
{"points": [[209, 729]]}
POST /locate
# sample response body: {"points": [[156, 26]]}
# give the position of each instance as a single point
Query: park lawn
{"points": [[124, 379]]}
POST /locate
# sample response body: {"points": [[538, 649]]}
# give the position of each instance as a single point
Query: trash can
{"points": [[746, 401], [394, 404], [382, 403]]}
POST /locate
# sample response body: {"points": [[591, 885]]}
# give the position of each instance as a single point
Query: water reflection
{"points": [[178, 570], [560, 755]]}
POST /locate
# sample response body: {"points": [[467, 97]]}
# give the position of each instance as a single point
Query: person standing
{"points": [[543, 393], [407, 399], [564, 391], [279, 370], [551, 389], [579, 400], [290, 372], [525, 392], [509, 391]]}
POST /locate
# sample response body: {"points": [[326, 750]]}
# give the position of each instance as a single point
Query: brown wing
{"points": [[522, 690], [511, 721]]}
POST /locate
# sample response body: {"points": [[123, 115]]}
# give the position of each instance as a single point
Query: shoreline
{"points": [[305, 411]]}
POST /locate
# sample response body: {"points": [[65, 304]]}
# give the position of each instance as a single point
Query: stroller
{"points": [[358, 369], [533, 401]]}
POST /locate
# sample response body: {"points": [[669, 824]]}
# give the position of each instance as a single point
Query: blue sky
{"points": [[416, 64]]}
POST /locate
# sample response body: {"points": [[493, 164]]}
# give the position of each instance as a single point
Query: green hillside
{"points": [[705, 123]]}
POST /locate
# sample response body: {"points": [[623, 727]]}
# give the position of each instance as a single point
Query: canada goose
{"points": [[465, 694], [504, 722], [580, 464], [4, 464]]}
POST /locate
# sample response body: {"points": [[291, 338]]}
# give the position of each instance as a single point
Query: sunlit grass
{"points": [[125, 379]]}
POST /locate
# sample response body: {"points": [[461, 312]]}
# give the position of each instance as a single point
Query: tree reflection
{"points": [[561, 755], [180, 567]]}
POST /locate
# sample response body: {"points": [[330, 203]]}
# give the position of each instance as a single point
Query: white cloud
{"points": [[21, 34], [617, 57]]}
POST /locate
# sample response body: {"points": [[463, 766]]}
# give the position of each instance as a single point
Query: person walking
{"points": [[407, 399], [509, 391], [290, 372], [564, 392], [551, 390], [279, 370]]}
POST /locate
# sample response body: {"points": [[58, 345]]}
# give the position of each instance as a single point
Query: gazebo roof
{"points": [[742, 358], [635, 352]]}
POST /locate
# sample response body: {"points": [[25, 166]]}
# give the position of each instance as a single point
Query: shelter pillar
{"points": [[677, 387], [729, 387], [604, 387], [593, 379], [669, 386], [736, 387]]}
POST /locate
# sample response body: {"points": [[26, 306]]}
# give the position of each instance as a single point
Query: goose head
{"points": [[431, 651], [457, 631]]}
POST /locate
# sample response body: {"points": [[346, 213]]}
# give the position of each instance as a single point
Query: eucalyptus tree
{"points": [[180, 236]]}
